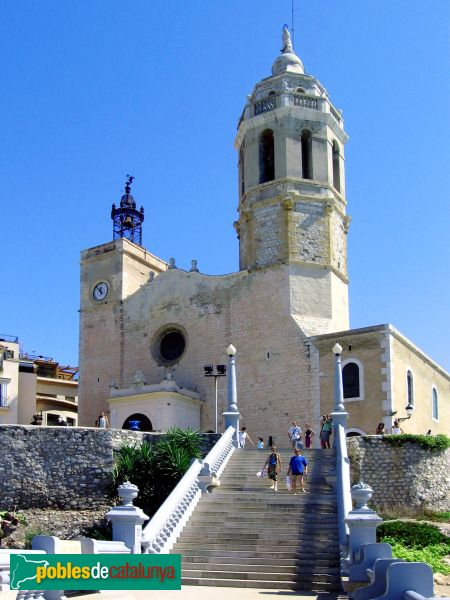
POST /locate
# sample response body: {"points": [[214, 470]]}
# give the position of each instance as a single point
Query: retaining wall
{"points": [[62, 467], [406, 475]]}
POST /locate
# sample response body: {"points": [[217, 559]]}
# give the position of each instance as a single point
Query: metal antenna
{"points": [[292, 21]]}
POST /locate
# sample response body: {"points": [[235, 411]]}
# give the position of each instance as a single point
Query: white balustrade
{"points": [[163, 529]]}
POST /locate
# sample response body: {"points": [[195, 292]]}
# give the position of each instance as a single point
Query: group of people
{"points": [[297, 470], [295, 435]]}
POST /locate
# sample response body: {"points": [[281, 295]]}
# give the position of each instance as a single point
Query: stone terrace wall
{"points": [[62, 467], [407, 475]]}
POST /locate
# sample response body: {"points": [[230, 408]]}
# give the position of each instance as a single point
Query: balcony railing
{"points": [[295, 99], [265, 105], [4, 337]]}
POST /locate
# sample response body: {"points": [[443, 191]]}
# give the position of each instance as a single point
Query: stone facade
{"points": [[292, 282], [281, 310], [407, 475], [62, 467], [384, 356]]}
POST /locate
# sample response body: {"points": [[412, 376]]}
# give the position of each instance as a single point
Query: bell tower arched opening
{"points": [[266, 156], [306, 141], [336, 167]]}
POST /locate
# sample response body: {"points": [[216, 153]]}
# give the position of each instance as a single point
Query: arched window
{"points": [[306, 154], [242, 168], [350, 380], [266, 157], [409, 388], [435, 402], [336, 167]]}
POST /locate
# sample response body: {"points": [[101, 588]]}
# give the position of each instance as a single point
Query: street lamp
{"points": [[221, 371], [232, 414], [409, 409], [338, 387]]}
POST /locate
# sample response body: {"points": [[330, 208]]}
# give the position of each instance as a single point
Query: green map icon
{"points": [[24, 571]]}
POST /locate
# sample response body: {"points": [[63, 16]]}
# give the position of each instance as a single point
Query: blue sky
{"points": [[95, 90]]}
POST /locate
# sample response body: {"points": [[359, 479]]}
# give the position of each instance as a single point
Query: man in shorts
{"points": [[298, 467], [295, 434]]}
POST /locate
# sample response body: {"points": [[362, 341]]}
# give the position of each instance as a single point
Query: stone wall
{"points": [[407, 475], [62, 467]]}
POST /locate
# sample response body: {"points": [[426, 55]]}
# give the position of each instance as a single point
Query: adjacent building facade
{"points": [[148, 329], [35, 389]]}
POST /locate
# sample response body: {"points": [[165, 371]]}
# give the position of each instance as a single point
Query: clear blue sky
{"points": [[94, 90]]}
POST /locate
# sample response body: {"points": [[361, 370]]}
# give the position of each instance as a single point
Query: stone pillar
{"points": [[127, 519], [361, 521]]}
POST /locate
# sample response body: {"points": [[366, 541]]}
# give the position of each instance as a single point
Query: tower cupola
{"points": [[290, 143], [127, 220]]}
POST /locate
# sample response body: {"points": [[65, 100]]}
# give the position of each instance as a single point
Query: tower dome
{"points": [[288, 62]]}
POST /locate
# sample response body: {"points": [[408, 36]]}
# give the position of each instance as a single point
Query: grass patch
{"points": [[416, 542], [390, 512]]}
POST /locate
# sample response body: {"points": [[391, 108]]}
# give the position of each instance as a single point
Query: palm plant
{"points": [[156, 468]]}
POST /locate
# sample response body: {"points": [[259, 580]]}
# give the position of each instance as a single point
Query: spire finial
{"points": [[128, 184], [286, 41]]}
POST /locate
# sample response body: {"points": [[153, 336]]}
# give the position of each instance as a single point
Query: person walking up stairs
{"points": [[245, 535]]}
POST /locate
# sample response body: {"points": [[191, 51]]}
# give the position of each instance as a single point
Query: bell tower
{"points": [[292, 206], [127, 220]]}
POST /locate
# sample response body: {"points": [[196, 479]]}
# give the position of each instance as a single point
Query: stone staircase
{"points": [[246, 535]]}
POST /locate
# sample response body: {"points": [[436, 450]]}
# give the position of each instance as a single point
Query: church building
{"points": [[150, 332]]}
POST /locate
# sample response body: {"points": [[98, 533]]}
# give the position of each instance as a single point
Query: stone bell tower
{"points": [[292, 206]]}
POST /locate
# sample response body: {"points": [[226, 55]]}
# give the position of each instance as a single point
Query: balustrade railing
{"points": [[306, 101], [161, 533], [265, 105]]}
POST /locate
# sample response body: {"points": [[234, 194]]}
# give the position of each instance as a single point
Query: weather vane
{"points": [[128, 183]]}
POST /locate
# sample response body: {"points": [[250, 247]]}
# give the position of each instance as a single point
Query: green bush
{"points": [[411, 534], [156, 468], [435, 443], [416, 542]]}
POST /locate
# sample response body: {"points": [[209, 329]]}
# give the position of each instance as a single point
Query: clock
{"points": [[100, 291]]}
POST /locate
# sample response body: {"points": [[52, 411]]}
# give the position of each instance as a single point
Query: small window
{"points": [[272, 93], [336, 167], [409, 388], [266, 157], [435, 402], [4, 392], [301, 91], [350, 380]]}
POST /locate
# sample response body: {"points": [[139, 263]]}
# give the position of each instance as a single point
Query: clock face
{"points": [[100, 291]]}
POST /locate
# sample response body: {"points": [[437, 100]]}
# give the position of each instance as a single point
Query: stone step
{"points": [[262, 584], [273, 575], [200, 528], [296, 547], [296, 562], [287, 537], [265, 517], [325, 559], [292, 568]]}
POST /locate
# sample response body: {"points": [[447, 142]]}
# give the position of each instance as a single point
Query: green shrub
{"points": [[432, 554], [156, 468], [411, 534], [30, 534], [435, 443], [416, 542]]}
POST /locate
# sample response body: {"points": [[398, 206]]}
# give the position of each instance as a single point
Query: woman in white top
{"points": [[396, 429], [243, 435]]}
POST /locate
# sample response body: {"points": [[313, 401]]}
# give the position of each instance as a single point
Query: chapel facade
{"points": [[148, 329]]}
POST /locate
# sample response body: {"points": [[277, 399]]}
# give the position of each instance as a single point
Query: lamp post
{"points": [[221, 371], [338, 387], [232, 414], [409, 409]]}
